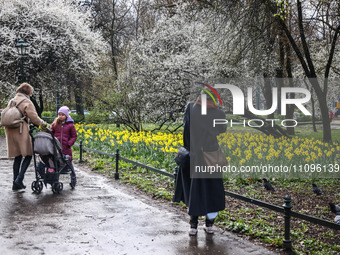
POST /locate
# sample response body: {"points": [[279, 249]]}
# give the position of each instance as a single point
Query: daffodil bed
{"points": [[158, 150]]}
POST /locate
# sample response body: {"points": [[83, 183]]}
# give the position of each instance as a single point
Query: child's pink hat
{"points": [[65, 110]]}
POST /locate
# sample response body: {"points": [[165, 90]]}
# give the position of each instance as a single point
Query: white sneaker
{"points": [[209, 229], [192, 231]]}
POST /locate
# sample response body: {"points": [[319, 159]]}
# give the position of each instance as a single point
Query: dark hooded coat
{"points": [[201, 195]]}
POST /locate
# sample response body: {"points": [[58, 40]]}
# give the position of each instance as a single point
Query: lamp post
{"points": [[22, 49]]}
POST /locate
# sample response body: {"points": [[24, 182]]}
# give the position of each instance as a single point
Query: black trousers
{"points": [[194, 221], [19, 173]]}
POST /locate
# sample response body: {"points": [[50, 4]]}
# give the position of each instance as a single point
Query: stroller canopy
{"points": [[44, 144]]}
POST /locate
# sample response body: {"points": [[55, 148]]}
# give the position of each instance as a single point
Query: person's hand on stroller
{"points": [[45, 127]]}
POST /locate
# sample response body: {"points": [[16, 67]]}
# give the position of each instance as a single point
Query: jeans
{"points": [[19, 175]]}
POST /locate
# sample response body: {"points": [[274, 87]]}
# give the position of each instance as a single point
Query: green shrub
{"points": [[77, 118], [96, 117], [91, 118], [48, 114], [304, 118], [279, 116]]}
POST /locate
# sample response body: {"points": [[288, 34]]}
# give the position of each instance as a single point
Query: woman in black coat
{"points": [[203, 196]]}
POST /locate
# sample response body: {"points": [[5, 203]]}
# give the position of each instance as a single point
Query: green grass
{"points": [[307, 132]]}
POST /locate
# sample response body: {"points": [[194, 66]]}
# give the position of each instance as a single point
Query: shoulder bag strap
{"points": [[19, 104]]}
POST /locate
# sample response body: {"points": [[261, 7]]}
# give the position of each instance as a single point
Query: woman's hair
{"points": [[57, 122], [25, 88]]}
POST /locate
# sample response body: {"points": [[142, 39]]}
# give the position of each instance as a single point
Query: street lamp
{"points": [[22, 49]]}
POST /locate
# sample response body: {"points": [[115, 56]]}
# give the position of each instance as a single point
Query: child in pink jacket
{"points": [[64, 130]]}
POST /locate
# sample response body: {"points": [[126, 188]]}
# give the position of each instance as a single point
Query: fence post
{"points": [[81, 151], [117, 165], [287, 243]]}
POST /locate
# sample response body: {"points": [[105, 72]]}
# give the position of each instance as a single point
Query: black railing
{"points": [[285, 209], [118, 157]]}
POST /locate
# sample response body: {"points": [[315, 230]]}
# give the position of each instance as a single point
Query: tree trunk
{"points": [[78, 96], [313, 107], [313, 114], [290, 115], [327, 135], [112, 41], [268, 95], [41, 101], [290, 108], [37, 107]]}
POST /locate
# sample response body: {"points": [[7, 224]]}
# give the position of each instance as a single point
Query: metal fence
{"points": [[285, 209]]}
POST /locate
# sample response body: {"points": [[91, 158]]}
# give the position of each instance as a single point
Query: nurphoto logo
{"points": [[239, 104]]}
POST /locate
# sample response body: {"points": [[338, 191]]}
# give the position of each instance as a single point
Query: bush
{"points": [[304, 118], [48, 116], [77, 118], [96, 117]]}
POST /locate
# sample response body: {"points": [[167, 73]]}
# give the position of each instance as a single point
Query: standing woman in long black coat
{"points": [[203, 196]]}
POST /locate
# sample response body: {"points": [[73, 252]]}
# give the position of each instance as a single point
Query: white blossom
{"points": [[58, 35]]}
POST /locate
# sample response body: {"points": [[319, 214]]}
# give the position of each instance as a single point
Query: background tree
{"points": [[183, 48], [220, 40], [300, 39], [59, 37], [121, 23]]}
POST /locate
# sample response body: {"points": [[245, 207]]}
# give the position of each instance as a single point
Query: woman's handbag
{"points": [[213, 158], [182, 156]]}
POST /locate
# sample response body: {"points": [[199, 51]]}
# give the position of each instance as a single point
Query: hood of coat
{"points": [[19, 94]]}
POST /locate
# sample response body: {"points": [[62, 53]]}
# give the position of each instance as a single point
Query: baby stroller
{"points": [[49, 162]]}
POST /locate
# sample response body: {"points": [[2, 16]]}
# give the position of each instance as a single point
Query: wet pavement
{"points": [[100, 216]]}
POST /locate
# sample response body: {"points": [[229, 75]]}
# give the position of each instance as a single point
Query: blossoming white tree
{"points": [[162, 66], [60, 43], [237, 38]]}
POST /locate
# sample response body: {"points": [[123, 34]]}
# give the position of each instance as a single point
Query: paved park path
{"points": [[100, 216]]}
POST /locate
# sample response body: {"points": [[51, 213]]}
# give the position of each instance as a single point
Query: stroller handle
{"points": [[33, 127], [47, 129]]}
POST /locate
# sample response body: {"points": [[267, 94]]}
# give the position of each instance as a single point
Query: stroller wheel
{"points": [[37, 186], [40, 186], [54, 187], [57, 187], [60, 186], [33, 186]]}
